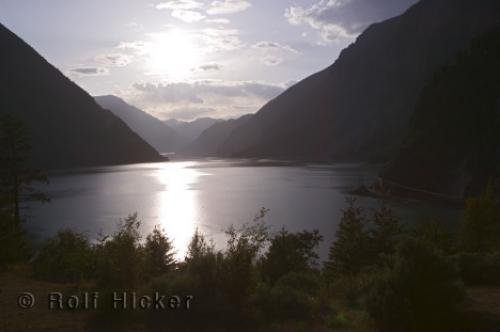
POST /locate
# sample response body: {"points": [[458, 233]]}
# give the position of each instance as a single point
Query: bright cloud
{"points": [[208, 97], [227, 7], [319, 17], [218, 21], [180, 4], [336, 19], [187, 16], [221, 39]]}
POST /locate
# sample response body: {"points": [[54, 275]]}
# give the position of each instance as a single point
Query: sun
{"points": [[173, 54]]}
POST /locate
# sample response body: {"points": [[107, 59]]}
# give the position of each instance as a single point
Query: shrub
{"points": [[419, 292], [12, 243], [290, 252], [480, 229], [119, 258], [292, 297], [238, 274], [338, 320], [67, 257], [479, 268], [432, 232]]}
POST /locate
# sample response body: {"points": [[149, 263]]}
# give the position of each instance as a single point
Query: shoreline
{"points": [[386, 189]]}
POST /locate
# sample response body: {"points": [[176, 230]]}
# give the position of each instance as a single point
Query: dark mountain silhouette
{"points": [[188, 131], [358, 108], [151, 129], [208, 142], [454, 142], [65, 125]]}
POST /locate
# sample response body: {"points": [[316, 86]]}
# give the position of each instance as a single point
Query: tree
{"points": [[433, 232], [159, 252], [386, 228], [480, 230], [197, 248], [290, 252], [119, 257], [238, 273], [16, 177], [349, 253]]}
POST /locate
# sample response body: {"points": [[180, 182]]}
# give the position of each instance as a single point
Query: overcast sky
{"points": [[185, 59]]}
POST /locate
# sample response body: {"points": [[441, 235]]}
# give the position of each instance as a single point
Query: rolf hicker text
{"points": [[119, 301]]}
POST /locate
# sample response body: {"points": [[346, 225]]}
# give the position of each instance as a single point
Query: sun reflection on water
{"points": [[178, 203]]}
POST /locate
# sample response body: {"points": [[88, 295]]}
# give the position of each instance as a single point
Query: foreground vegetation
{"points": [[378, 277]]}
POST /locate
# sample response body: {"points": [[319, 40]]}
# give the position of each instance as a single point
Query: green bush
{"points": [[338, 320], [480, 228], [478, 268], [290, 252], [419, 292], [119, 258], [12, 243], [292, 297], [198, 276], [67, 257]]}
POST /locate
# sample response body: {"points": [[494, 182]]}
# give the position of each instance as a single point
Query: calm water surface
{"points": [[180, 196]]}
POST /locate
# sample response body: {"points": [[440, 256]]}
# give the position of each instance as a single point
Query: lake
{"points": [[181, 196]]}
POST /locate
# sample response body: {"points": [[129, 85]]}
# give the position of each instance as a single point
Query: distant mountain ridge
{"points": [[188, 131], [358, 108], [152, 130], [65, 125], [208, 143]]}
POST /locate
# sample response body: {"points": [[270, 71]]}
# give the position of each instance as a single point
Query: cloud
{"points": [[218, 21], [227, 7], [114, 59], [135, 26], [274, 53], [179, 4], [269, 45], [138, 47], [196, 90], [271, 60], [320, 16], [220, 98], [221, 39], [336, 19], [90, 71], [171, 93], [208, 67], [187, 16]]}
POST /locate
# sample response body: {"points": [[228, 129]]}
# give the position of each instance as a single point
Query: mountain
{"points": [[208, 142], [453, 146], [188, 131], [151, 129], [65, 125], [358, 108]]}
